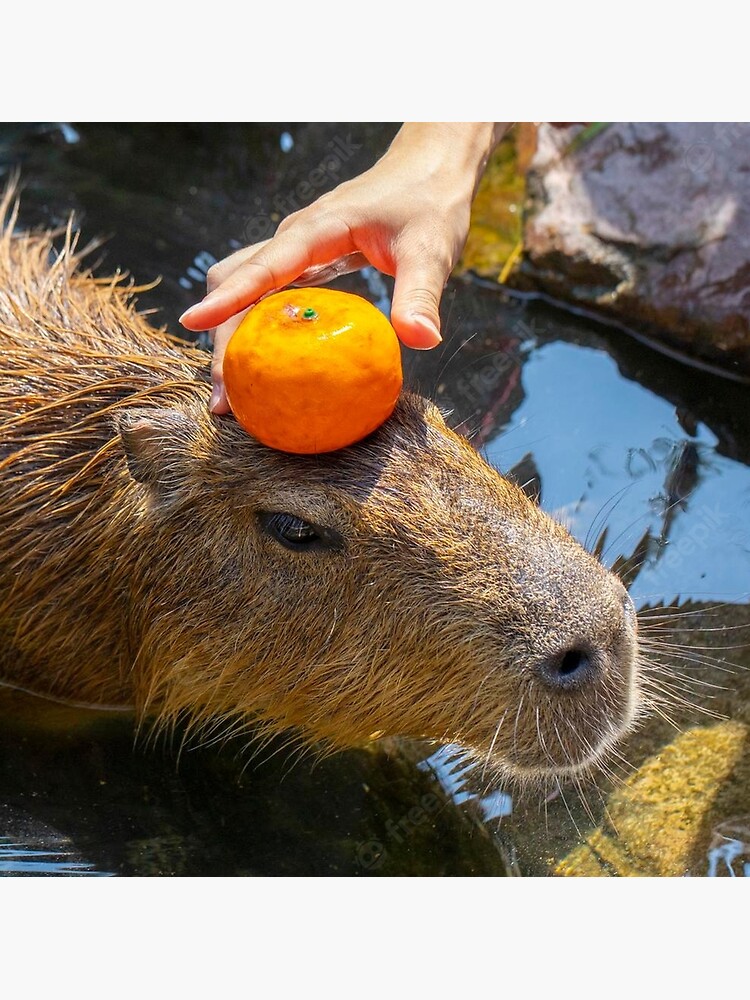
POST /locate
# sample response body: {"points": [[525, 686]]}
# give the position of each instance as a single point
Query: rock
{"points": [[497, 210], [647, 225], [657, 822]]}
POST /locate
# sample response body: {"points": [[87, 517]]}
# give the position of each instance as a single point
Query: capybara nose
{"points": [[584, 660], [569, 669]]}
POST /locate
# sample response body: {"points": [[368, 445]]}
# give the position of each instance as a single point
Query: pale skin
{"points": [[408, 216]]}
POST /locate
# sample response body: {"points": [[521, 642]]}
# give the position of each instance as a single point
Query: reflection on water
{"points": [[22, 859], [609, 456], [618, 457], [453, 766], [644, 459], [730, 849]]}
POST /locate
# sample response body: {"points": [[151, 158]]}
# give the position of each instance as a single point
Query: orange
{"points": [[310, 370]]}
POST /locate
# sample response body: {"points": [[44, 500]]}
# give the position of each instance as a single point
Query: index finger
{"points": [[275, 265]]}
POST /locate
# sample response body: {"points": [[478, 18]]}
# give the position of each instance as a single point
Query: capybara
{"points": [[155, 555]]}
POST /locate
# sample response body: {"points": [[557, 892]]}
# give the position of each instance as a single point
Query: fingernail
{"points": [[188, 312], [429, 327], [204, 301], [215, 398]]}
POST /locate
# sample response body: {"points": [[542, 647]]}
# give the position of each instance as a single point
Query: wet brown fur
{"points": [[134, 568]]}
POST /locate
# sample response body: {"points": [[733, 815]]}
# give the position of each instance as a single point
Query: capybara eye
{"points": [[298, 534]]}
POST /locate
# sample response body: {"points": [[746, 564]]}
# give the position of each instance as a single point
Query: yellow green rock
{"points": [[496, 215], [659, 821]]}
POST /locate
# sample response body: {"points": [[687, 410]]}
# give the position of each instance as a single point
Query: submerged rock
{"points": [[656, 823], [81, 795], [647, 225]]}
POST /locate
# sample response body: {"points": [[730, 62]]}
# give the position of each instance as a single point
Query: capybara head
{"points": [[400, 586], [156, 555]]}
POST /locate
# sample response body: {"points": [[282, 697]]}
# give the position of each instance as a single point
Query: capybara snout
{"points": [[158, 556]]}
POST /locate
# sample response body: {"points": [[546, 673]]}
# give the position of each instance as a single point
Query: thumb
{"points": [[416, 299], [223, 334]]}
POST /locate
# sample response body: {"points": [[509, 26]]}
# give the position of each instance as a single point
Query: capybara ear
{"points": [[152, 439]]}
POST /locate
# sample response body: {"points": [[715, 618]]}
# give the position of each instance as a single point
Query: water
{"points": [[617, 436], [635, 452]]}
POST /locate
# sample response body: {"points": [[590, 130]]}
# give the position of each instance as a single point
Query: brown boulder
{"points": [[647, 225]]}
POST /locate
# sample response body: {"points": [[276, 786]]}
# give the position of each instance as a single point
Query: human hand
{"points": [[408, 216]]}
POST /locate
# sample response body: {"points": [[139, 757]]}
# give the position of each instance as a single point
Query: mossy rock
{"points": [[661, 821]]}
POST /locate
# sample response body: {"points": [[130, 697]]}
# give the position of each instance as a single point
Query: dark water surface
{"points": [[636, 452]]}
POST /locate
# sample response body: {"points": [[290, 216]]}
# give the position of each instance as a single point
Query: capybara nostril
{"points": [[569, 669]]}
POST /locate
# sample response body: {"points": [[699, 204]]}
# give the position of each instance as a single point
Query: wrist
{"points": [[457, 151]]}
